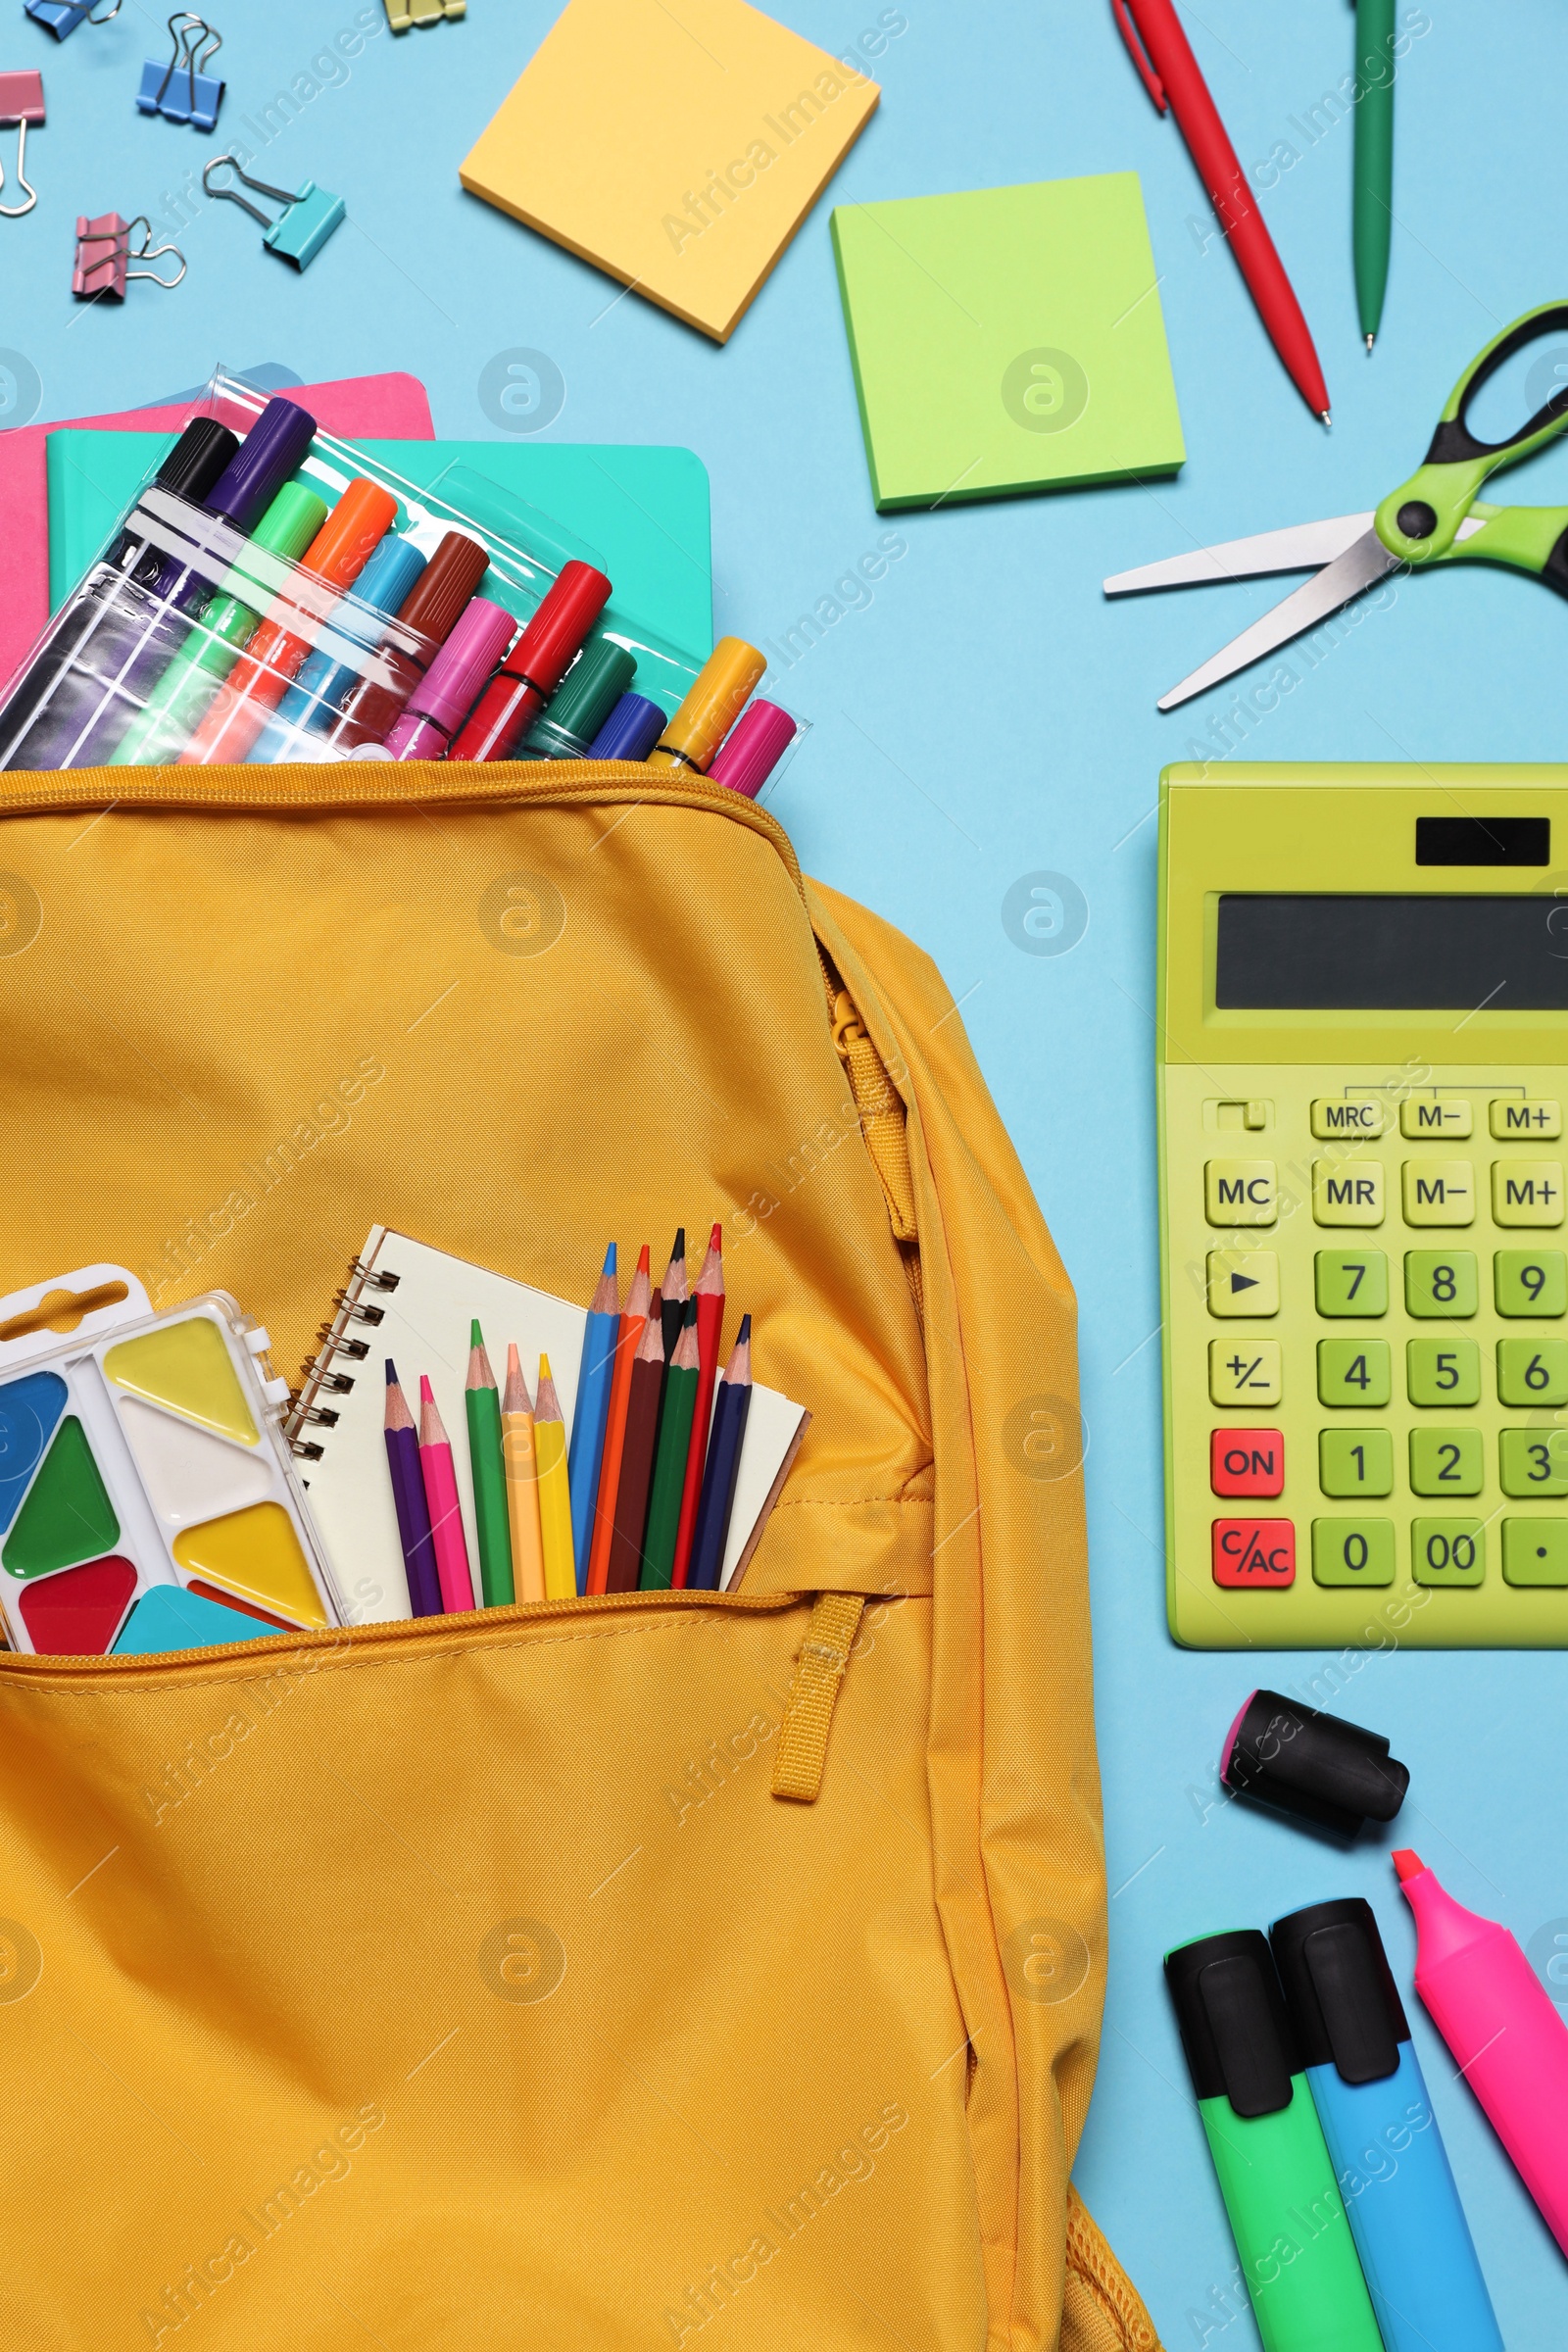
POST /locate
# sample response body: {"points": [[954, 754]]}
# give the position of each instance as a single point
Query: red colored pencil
{"points": [[637, 1457], [1163, 57], [633, 1316], [709, 1296]]}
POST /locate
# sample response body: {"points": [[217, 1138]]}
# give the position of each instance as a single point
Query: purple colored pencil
{"points": [[408, 1500]]}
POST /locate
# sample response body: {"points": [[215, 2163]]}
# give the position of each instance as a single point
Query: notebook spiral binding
{"points": [[335, 1339]]}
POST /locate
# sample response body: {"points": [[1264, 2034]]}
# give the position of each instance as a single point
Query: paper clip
{"points": [[22, 103], [181, 91], [301, 229], [105, 253], [401, 14], [62, 17]]}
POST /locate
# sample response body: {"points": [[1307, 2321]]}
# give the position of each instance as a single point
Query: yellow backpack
{"points": [[669, 1968]]}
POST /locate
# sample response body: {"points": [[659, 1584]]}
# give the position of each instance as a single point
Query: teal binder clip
{"points": [[309, 217]]}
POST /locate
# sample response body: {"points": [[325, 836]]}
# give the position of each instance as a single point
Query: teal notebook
{"points": [[642, 513]]}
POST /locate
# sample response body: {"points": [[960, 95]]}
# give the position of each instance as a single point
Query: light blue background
{"points": [[987, 716]]}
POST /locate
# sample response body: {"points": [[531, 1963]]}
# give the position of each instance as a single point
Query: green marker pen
{"points": [[174, 708], [1286, 2211]]}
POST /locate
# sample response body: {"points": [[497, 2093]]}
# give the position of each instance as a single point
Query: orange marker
{"points": [[259, 679], [638, 1301], [710, 1298]]}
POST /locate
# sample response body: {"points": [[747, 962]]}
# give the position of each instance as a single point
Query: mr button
{"points": [[1246, 1461], [1252, 1552]]}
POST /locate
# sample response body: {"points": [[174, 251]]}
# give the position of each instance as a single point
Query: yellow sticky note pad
{"points": [[680, 151]]}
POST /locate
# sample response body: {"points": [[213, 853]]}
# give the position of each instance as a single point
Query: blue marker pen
{"points": [[631, 730], [314, 699], [1392, 2167]]}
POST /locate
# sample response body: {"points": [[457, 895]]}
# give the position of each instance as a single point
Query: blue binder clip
{"points": [[62, 17], [181, 91], [309, 217]]}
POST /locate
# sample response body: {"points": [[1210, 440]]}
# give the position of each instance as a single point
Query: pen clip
{"points": [[1135, 51]]}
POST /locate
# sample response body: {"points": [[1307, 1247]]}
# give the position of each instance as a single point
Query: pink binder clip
{"points": [[22, 103], [105, 253]]}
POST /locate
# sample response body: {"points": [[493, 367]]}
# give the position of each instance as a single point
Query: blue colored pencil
{"points": [[595, 1374], [725, 1440], [408, 1500]]}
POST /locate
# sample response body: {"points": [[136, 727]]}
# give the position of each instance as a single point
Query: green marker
{"points": [[1286, 2211], [176, 706], [669, 1462], [489, 1476], [580, 704], [1372, 201]]}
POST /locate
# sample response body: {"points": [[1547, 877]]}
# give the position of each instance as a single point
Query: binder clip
{"points": [[21, 103], [181, 91], [401, 14], [62, 17], [105, 253], [301, 229]]}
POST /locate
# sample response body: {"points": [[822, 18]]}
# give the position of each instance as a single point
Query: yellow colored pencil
{"points": [[554, 1491], [519, 1456]]}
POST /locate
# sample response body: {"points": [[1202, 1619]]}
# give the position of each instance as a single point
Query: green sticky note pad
{"points": [[1007, 339]]}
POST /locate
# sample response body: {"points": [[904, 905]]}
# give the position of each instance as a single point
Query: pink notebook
{"points": [[378, 407]]}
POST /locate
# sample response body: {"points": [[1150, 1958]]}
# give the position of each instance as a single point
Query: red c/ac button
{"points": [[1246, 1461], [1254, 1553]]}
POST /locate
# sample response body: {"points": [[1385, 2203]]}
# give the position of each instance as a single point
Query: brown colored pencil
{"points": [[637, 1457]]}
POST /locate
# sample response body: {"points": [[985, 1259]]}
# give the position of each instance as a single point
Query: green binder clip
{"points": [[309, 217]]}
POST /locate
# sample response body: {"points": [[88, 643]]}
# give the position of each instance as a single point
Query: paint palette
{"points": [[147, 1496]]}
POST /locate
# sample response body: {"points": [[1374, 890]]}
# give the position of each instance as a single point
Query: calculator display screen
{"points": [[1395, 951]]}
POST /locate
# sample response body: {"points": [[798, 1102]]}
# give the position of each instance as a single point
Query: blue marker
{"points": [[325, 679], [631, 730], [1393, 2170]]}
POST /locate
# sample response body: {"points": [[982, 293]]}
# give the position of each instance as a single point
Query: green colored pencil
{"points": [[669, 1462], [489, 1475]]}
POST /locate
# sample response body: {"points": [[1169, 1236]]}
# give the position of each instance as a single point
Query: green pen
{"points": [[1275, 2173], [488, 1465], [174, 708], [1373, 181]]}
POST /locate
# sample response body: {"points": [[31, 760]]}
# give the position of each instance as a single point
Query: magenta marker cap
{"points": [[753, 749], [450, 687]]}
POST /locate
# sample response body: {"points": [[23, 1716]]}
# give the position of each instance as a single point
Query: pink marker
{"points": [[753, 749], [450, 687], [446, 1512], [1503, 2029]]}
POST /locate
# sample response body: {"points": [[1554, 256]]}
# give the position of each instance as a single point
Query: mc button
{"points": [[1246, 1461], [1241, 1191], [1249, 1553]]}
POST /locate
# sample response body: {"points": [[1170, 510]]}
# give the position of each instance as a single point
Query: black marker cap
{"points": [[1316, 1766], [1340, 1991], [198, 458], [1234, 2025]]}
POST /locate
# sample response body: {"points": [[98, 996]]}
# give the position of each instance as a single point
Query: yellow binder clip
{"points": [[401, 14]]}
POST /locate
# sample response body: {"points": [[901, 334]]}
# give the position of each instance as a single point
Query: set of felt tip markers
{"points": [[273, 596]]}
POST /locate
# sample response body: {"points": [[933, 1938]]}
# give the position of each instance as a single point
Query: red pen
{"points": [[535, 665], [1160, 51]]}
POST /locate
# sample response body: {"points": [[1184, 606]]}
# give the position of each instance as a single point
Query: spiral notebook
{"points": [[411, 1302]]}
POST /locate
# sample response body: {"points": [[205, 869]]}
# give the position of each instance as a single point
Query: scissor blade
{"points": [[1336, 584], [1304, 546]]}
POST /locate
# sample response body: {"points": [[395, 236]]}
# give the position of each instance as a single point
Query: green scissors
{"points": [[1434, 517]]}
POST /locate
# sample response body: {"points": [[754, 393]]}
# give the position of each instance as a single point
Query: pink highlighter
{"points": [[1503, 2029], [450, 687]]}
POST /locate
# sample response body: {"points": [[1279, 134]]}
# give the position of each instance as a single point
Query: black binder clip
{"points": [[62, 17], [181, 91]]}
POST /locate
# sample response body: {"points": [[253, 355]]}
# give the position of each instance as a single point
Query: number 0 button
{"points": [[1447, 1552], [1353, 1372], [1352, 1551]]}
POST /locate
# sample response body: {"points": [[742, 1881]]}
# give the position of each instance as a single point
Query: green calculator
{"points": [[1363, 1067]]}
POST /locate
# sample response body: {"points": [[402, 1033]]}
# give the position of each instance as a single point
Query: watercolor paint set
{"points": [[148, 1501]]}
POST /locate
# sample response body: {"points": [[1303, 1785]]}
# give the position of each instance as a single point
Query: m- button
{"points": [[1241, 1191], [1440, 1192]]}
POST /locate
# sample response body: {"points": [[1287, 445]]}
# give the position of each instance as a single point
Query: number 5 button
{"points": [[1243, 1372]]}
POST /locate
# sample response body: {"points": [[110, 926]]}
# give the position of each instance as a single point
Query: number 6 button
{"points": [[1532, 1371]]}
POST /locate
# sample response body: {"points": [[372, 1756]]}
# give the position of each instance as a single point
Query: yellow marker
{"points": [[518, 1457], [725, 685], [553, 1490]]}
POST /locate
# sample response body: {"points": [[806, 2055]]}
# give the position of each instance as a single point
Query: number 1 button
{"points": [[1244, 1371]]}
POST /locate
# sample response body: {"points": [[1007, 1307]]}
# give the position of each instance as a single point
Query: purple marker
{"points": [[753, 749], [451, 686]]}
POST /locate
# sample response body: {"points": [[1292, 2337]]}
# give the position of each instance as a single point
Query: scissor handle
{"points": [[1420, 521]]}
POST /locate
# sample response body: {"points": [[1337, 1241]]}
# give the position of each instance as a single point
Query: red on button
{"points": [[1246, 1461], [1252, 1552]]}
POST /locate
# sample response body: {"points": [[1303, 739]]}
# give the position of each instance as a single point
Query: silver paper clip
{"points": [[310, 213], [62, 17], [181, 91], [105, 253], [21, 103]]}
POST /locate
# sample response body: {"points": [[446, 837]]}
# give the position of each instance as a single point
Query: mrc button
{"points": [[1254, 1553], [1246, 1461]]}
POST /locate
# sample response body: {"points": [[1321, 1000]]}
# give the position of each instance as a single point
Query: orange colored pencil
{"points": [[637, 1457], [709, 1296], [520, 1461], [633, 1316]]}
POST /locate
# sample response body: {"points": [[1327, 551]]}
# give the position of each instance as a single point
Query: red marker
{"points": [[535, 665]]}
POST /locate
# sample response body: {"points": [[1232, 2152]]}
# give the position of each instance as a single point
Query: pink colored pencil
{"points": [[446, 1512]]}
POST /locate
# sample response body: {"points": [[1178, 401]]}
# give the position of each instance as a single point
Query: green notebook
{"points": [[642, 513], [1007, 339]]}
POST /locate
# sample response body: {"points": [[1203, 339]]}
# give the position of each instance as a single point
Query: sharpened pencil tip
{"points": [[427, 1393], [716, 1239], [391, 1373], [610, 1259], [745, 1331], [643, 1257], [475, 1335], [543, 1366], [677, 1249]]}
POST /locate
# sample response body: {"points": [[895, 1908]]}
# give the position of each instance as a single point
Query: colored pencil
{"points": [[709, 1296], [519, 1460], [674, 1291], [446, 1512], [670, 1458], [489, 1475], [637, 1455], [594, 1377], [734, 1403], [633, 1318], [407, 1500], [554, 1489]]}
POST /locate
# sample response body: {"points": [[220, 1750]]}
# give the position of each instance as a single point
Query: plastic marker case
{"points": [[143, 1471], [205, 631]]}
